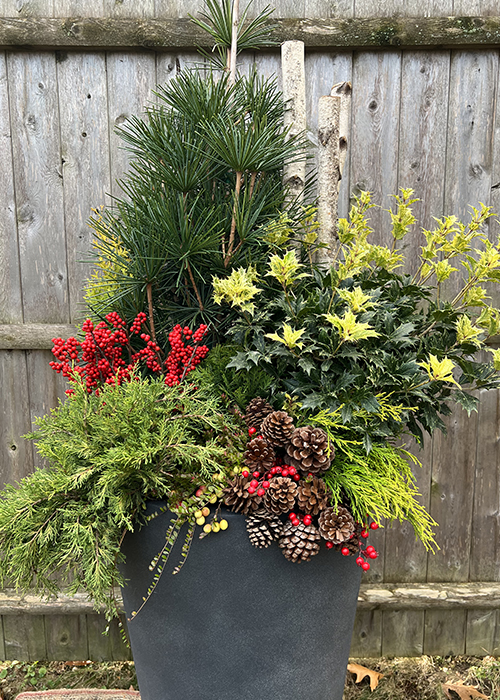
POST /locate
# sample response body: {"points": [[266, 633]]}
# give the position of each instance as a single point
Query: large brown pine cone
{"points": [[311, 497], [299, 542], [308, 450], [257, 410], [237, 498], [263, 527], [353, 543], [280, 496], [277, 428], [259, 455], [336, 525]]}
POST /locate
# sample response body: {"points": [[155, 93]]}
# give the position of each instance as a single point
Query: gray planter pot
{"points": [[238, 623]]}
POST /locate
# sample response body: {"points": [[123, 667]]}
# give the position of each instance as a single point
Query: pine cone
{"points": [[311, 497], [259, 456], [280, 496], [277, 428], [263, 527], [353, 542], [336, 526], [299, 542], [237, 498], [308, 450], [257, 410]]}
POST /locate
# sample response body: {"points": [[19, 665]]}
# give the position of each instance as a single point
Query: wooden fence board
{"points": [[38, 183], [105, 647], [131, 77], [451, 498], [85, 159], [323, 71], [129, 8], [496, 642], [444, 632], [73, 8], [485, 538], [329, 9], [16, 453], [66, 637], [422, 140], [480, 634], [375, 126], [367, 634], [169, 65], [24, 637], [406, 557], [2, 644], [409, 8], [403, 632], [10, 282]]}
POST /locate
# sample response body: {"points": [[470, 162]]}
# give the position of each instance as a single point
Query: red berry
{"points": [[278, 470], [370, 548], [307, 520], [256, 475], [252, 430], [295, 522], [345, 551], [292, 516], [261, 492], [265, 484], [245, 473], [364, 533], [296, 477], [254, 483], [360, 561], [329, 545], [365, 566], [373, 555], [292, 470], [284, 472], [251, 489], [274, 470], [374, 526]]}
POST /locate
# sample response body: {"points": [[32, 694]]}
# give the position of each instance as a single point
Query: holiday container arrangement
{"points": [[240, 395]]}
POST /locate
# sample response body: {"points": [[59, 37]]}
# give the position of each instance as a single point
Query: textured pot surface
{"points": [[238, 623]]}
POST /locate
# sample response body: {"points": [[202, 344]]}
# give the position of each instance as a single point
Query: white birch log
{"points": [[294, 94], [328, 172], [344, 91]]}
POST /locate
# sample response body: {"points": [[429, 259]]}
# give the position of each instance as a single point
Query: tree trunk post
{"points": [[344, 91], [328, 172], [294, 94]]}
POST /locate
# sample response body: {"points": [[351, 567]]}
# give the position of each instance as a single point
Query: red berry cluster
{"points": [[184, 358], [99, 358], [367, 553]]}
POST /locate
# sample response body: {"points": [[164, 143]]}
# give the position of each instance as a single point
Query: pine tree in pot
{"points": [[241, 431]]}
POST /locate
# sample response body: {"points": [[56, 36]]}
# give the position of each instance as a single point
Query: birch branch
{"points": [[344, 91], [294, 94], [328, 172], [234, 42]]}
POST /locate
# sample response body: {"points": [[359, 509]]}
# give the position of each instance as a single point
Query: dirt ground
{"points": [[403, 679]]}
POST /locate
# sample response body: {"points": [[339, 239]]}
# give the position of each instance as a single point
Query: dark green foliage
{"points": [[107, 455]]}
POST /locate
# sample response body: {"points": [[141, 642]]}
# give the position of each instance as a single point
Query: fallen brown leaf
{"points": [[464, 692], [361, 672]]}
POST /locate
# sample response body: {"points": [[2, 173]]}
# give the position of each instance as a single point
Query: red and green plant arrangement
{"points": [[226, 365]]}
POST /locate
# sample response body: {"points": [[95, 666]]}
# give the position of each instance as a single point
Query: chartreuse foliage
{"points": [[338, 338], [107, 455]]}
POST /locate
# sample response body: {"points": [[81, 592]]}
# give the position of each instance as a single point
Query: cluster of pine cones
{"points": [[283, 476]]}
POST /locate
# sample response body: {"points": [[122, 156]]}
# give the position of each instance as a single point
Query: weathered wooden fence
{"points": [[424, 115]]}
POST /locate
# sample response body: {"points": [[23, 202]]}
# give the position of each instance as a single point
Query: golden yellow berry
{"points": [[198, 514], [223, 524], [205, 511], [207, 528], [213, 499], [215, 527], [200, 521]]}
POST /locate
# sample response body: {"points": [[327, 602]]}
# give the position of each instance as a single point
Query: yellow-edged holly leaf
{"points": [[466, 332], [361, 672], [357, 299], [350, 329], [439, 371], [290, 337]]}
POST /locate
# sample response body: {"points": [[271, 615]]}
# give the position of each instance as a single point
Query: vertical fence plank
{"points": [[444, 632], [85, 152], [169, 65], [422, 138], [2, 644], [129, 8], [402, 632], [131, 77], [406, 557], [408, 8], [467, 8], [481, 628], [367, 634], [269, 65], [323, 70], [453, 463], [66, 637], [329, 8], [105, 647], [375, 127], [10, 282], [73, 8], [24, 637], [16, 454], [38, 183], [485, 538]]}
